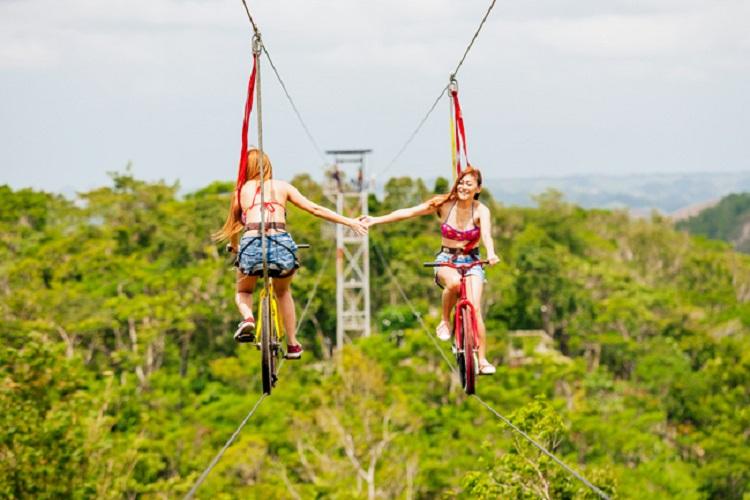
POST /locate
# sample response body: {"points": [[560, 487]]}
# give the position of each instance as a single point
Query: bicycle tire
{"points": [[266, 355], [469, 367], [458, 336]]}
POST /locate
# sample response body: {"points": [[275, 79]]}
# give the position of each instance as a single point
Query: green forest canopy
{"points": [[729, 220], [119, 377]]}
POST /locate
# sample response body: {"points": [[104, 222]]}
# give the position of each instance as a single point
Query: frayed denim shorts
{"points": [[281, 255], [460, 259]]}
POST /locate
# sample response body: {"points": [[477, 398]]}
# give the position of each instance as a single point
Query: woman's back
{"points": [[275, 196]]}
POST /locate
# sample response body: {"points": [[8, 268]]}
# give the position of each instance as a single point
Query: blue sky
{"points": [[551, 88]]}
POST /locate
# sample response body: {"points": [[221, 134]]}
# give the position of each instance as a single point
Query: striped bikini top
{"points": [[470, 235]]}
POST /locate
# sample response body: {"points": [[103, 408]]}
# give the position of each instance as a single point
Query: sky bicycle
{"points": [[271, 330], [271, 334], [465, 332]]}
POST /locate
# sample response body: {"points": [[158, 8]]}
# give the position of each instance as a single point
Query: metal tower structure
{"points": [[347, 188]]}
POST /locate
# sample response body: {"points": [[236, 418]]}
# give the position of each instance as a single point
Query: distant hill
{"points": [[728, 220], [639, 193], [692, 210]]}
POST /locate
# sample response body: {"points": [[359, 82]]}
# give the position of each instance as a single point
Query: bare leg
{"points": [[286, 307], [244, 295], [474, 287], [451, 281]]}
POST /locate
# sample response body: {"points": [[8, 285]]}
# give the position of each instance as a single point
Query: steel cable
{"points": [[294, 107], [542, 448], [250, 17], [284, 88], [442, 92], [413, 309], [513, 427], [236, 433]]}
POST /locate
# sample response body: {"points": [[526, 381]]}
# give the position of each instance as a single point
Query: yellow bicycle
{"points": [[271, 334]]}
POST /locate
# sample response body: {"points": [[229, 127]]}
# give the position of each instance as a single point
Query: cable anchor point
{"points": [[257, 43], [452, 83]]}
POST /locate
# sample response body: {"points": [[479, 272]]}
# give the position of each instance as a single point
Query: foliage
{"points": [[118, 376], [728, 221]]}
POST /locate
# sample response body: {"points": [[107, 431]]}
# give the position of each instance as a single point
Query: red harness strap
{"points": [[242, 174], [460, 132]]}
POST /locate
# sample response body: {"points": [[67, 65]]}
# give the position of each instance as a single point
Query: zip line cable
{"points": [[284, 88], [250, 17], [542, 448], [218, 456], [236, 433], [473, 39], [411, 306], [294, 107], [261, 47], [442, 92], [481, 401], [414, 133]]}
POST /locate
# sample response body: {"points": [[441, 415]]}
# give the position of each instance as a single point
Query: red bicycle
{"points": [[465, 332]]}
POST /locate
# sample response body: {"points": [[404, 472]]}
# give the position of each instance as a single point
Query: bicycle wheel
{"points": [[266, 340], [468, 337], [458, 336]]}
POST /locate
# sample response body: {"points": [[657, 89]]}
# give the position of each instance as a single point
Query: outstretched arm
{"points": [[299, 199], [403, 214], [485, 223]]}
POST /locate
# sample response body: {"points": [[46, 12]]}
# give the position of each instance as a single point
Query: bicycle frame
{"points": [[270, 341], [274, 311], [466, 360], [462, 302], [270, 335]]}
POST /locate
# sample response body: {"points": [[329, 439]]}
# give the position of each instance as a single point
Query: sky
{"points": [[550, 88]]}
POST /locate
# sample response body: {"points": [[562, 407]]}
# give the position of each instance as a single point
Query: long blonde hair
{"points": [[441, 199], [233, 226]]}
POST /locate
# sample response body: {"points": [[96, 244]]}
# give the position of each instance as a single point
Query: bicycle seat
{"points": [[274, 271]]}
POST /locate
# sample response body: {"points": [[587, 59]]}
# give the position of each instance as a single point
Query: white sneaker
{"points": [[486, 368], [245, 332], [443, 332]]}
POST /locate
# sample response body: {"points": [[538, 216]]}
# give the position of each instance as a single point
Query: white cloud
{"points": [[364, 72]]}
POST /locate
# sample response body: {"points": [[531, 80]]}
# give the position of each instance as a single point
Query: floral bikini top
{"points": [[469, 235]]}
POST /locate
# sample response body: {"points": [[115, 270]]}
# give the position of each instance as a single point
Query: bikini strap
{"points": [[255, 195], [448, 215]]}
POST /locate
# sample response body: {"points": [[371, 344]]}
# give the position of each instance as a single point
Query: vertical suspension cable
{"points": [[257, 50]]}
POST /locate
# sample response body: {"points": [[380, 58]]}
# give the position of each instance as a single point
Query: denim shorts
{"points": [[281, 255], [459, 259]]}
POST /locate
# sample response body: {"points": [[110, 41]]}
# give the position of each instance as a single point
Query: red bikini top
{"points": [[471, 235], [269, 205]]}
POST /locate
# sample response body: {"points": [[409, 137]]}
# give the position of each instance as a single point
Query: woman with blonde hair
{"points": [[464, 222], [242, 230]]}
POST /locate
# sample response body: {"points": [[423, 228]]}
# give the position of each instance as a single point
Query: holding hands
{"points": [[358, 226], [366, 220]]}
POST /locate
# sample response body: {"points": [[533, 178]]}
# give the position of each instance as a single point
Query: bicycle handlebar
{"points": [[456, 266]]}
